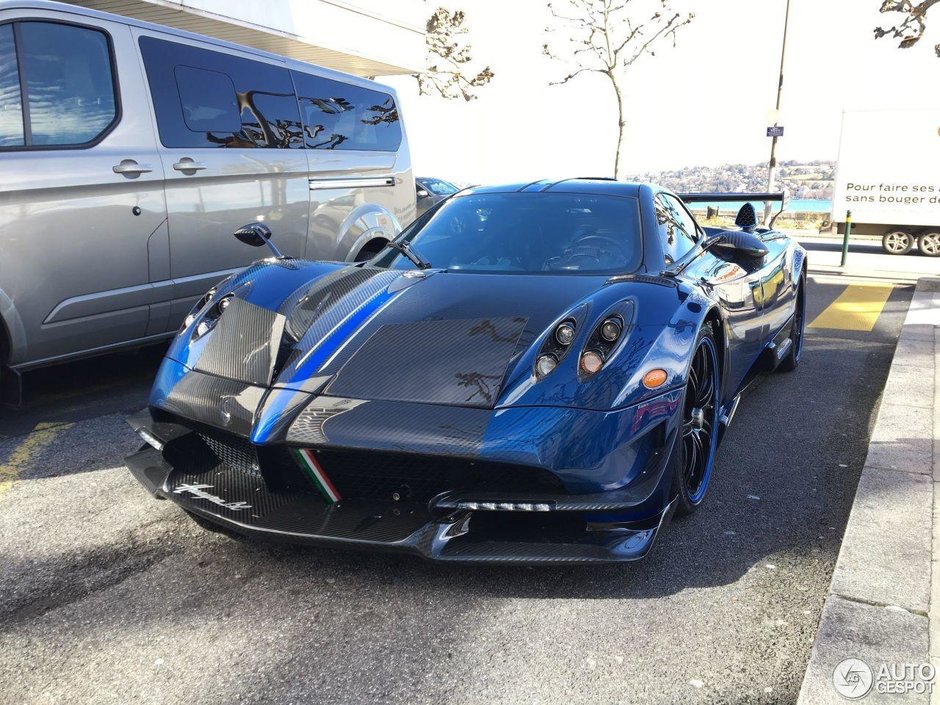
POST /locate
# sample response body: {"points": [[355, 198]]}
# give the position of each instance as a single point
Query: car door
{"points": [[232, 149], [81, 187], [736, 284]]}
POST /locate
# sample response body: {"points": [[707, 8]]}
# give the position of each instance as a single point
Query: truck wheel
{"points": [[897, 242], [929, 244]]}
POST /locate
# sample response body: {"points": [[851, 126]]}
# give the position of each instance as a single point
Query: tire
{"points": [[368, 252], [698, 433], [792, 360], [929, 244], [897, 242]]}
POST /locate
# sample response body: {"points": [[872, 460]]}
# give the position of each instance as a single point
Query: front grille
{"points": [[418, 478], [368, 475], [233, 451]]}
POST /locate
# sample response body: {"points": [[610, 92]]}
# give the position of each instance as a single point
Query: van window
{"points": [[342, 116], [70, 95], [208, 100], [205, 98], [11, 106]]}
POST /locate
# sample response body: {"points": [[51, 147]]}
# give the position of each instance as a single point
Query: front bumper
{"points": [[471, 525]]}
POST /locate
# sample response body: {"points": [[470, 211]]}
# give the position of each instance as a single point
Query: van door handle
{"points": [[186, 164], [128, 167]]}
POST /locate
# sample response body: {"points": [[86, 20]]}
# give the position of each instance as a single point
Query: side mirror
{"points": [[257, 235], [739, 244], [422, 193]]}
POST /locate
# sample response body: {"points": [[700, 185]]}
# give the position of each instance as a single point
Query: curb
{"points": [[883, 605]]}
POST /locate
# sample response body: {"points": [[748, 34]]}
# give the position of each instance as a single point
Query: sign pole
{"points": [[845, 240], [772, 166]]}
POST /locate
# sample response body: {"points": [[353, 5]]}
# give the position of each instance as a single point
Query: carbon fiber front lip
{"points": [[247, 507]]}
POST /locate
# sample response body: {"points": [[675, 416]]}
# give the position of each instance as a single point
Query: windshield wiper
{"points": [[406, 250]]}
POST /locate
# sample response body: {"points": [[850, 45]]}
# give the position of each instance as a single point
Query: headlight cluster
{"points": [[556, 347], [201, 304], [594, 353], [599, 346], [210, 316]]}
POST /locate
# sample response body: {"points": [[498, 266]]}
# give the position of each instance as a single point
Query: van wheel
{"points": [[929, 244], [897, 242]]}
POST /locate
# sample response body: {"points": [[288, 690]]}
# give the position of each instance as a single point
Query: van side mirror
{"points": [[422, 193], [738, 244], [257, 235]]}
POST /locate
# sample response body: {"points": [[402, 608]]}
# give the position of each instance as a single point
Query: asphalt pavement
{"points": [[109, 596]]}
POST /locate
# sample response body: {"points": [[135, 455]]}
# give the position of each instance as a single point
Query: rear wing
{"points": [[738, 197]]}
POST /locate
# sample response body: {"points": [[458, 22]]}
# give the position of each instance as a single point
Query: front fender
{"points": [[661, 335]]}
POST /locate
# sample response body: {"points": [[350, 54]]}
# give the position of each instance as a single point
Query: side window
{"points": [[69, 94], [205, 98], [674, 224], [208, 100], [684, 218], [11, 104], [338, 115]]}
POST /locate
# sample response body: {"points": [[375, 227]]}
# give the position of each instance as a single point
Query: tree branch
{"points": [[601, 32], [911, 30], [449, 56]]}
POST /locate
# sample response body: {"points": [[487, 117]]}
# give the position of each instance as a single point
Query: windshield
{"points": [[441, 188], [528, 233]]}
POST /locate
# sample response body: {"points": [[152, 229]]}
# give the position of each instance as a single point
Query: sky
{"points": [[704, 102]]}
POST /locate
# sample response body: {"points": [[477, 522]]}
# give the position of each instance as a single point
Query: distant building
{"points": [[363, 37]]}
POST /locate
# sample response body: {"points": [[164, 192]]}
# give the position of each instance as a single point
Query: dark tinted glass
{"points": [[11, 107], [340, 116], [676, 228], [530, 233], [206, 98], [69, 85], [441, 188]]}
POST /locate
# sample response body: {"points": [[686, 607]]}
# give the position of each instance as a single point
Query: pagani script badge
{"points": [[200, 492]]}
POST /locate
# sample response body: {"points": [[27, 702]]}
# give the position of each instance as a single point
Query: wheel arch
{"points": [[12, 333], [715, 319], [366, 224]]}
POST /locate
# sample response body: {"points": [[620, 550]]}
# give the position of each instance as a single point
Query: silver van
{"points": [[130, 153]]}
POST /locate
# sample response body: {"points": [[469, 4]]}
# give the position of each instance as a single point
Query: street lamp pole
{"points": [[772, 166]]}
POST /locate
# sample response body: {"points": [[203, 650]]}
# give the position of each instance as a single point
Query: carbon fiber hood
{"points": [[375, 334]]}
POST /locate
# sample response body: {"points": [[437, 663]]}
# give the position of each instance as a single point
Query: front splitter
{"points": [[241, 502]]}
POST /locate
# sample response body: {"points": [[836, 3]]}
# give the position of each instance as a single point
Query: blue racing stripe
{"points": [[315, 360]]}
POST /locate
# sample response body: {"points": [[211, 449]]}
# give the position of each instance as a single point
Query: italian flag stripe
{"points": [[307, 460]]}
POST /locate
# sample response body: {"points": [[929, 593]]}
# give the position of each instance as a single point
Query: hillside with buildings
{"points": [[803, 180]]}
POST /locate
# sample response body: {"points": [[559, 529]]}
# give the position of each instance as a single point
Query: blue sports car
{"points": [[529, 373]]}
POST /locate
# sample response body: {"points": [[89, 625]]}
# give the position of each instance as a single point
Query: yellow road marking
{"points": [[856, 308], [39, 438]]}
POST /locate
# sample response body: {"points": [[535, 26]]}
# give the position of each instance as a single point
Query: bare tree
{"points": [[913, 24], [449, 57], [608, 37]]}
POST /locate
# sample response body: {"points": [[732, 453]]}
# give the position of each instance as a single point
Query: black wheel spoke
{"points": [[699, 417]]}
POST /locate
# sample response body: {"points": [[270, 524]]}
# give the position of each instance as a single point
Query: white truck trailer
{"points": [[888, 176]]}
